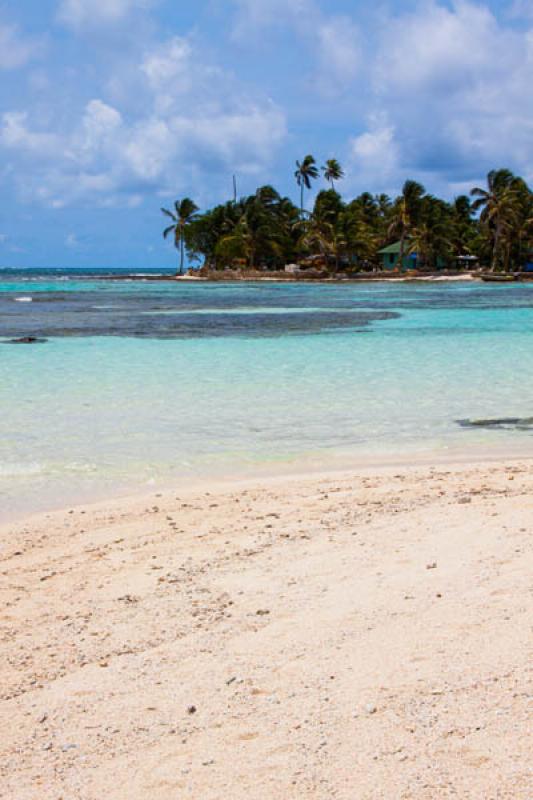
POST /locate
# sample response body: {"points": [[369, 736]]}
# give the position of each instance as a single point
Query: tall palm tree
{"points": [[306, 171], [333, 171], [429, 241], [317, 236], [462, 226], [362, 238], [498, 206], [405, 214], [182, 216]]}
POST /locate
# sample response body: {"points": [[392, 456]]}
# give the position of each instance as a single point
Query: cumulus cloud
{"points": [[15, 134], [442, 48], [374, 155], [189, 124], [78, 13], [16, 50], [99, 129], [438, 90], [169, 63], [455, 85]]}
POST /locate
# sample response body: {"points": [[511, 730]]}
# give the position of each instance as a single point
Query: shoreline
{"points": [[234, 277], [273, 474], [230, 276], [324, 636]]}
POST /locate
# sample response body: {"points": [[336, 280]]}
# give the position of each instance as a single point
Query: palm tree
{"points": [[362, 238], [498, 205], [183, 214], [405, 214], [317, 236], [257, 230], [333, 171], [306, 171], [266, 230], [237, 244], [462, 226]]}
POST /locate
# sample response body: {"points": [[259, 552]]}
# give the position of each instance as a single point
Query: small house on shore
{"points": [[467, 262], [390, 257]]}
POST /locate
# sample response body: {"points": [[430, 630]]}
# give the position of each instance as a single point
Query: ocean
{"points": [[141, 383]]}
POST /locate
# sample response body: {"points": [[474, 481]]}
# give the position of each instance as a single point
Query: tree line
{"points": [[268, 231]]}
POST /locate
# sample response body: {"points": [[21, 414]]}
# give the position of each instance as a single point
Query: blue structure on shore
{"points": [[390, 257]]}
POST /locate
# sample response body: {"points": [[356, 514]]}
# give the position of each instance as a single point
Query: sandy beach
{"points": [[365, 635]]}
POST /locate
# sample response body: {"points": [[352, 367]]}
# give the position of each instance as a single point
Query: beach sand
{"points": [[358, 636]]}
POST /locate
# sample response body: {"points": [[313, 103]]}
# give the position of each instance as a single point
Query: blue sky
{"points": [[111, 108]]}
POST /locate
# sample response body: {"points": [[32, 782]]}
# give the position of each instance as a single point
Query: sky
{"points": [[110, 109]]}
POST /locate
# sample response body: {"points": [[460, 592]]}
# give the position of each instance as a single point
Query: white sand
{"points": [[354, 637]]}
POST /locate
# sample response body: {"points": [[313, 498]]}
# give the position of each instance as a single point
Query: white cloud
{"points": [[79, 13], [187, 125], [169, 64], [15, 49], [374, 157], [150, 147], [15, 134], [98, 130], [445, 90], [174, 69], [237, 136], [376, 148], [454, 84], [442, 47]]}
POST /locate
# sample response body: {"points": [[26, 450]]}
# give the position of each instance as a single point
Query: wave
{"points": [[23, 299], [21, 470]]}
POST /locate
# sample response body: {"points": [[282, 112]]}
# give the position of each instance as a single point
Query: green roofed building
{"points": [[390, 257]]}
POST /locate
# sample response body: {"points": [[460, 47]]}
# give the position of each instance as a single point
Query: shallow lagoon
{"points": [[143, 384]]}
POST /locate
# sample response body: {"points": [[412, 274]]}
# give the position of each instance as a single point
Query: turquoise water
{"points": [[142, 385]]}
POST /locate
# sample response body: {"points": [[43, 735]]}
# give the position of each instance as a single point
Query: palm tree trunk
{"points": [[507, 260], [495, 249], [402, 250], [302, 199], [182, 255]]}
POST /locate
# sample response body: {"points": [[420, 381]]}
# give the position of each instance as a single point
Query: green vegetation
{"points": [[506, 218], [182, 217], [267, 231], [305, 173], [333, 171]]}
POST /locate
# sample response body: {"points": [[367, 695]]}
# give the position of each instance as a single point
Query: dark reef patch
{"points": [[27, 340], [499, 423]]}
